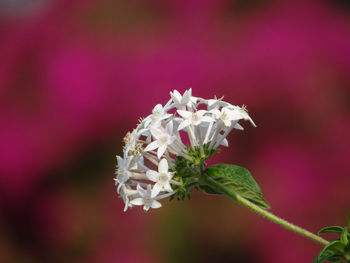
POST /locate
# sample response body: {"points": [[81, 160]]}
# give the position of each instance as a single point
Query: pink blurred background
{"points": [[75, 75]]}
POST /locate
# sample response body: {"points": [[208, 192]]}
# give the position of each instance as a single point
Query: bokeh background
{"points": [[75, 75]]}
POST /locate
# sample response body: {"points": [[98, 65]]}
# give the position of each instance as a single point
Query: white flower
{"points": [[130, 141], [243, 113], [182, 101], [158, 114], [226, 116], [163, 138], [194, 118], [161, 178], [216, 103], [146, 198], [123, 170], [125, 193]]}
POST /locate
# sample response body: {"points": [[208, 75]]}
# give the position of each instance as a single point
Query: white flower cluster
{"points": [[145, 173]]}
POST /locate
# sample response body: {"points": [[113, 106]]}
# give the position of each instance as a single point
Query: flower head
{"points": [[164, 153]]}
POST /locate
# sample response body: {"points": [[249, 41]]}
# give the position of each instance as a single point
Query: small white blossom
{"points": [[126, 193], [161, 178], [181, 101], [226, 116], [130, 141], [146, 198], [243, 113], [194, 118], [123, 170], [216, 103], [158, 114], [163, 138]]}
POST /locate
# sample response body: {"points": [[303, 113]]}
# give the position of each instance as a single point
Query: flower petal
{"points": [[207, 119], [176, 96], [152, 175], [224, 142], [157, 133], [227, 123], [156, 190], [183, 124], [211, 102], [153, 145], [126, 206], [168, 188], [146, 207], [137, 201], [163, 166], [165, 116], [238, 127], [149, 190], [184, 113], [216, 112], [169, 127], [161, 150], [147, 121], [155, 204], [186, 97], [140, 190], [200, 113], [120, 162], [119, 186], [158, 108]]}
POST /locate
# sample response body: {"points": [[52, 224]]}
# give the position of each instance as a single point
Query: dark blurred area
{"points": [[75, 75]]}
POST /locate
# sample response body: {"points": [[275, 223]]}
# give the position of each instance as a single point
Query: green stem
{"points": [[275, 219]]}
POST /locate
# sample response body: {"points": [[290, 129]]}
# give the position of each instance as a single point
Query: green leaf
{"points": [[335, 259], [337, 246], [337, 250], [331, 229], [332, 252], [344, 236], [239, 180], [324, 255], [208, 190]]}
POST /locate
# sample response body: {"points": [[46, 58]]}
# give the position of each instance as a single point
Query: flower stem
{"points": [[275, 219]]}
